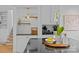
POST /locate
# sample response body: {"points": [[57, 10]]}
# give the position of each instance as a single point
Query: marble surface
{"points": [[35, 46]]}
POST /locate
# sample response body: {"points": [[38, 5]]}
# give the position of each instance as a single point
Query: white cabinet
{"points": [[21, 42]]}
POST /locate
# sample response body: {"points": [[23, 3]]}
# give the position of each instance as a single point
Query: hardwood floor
{"points": [[6, 48]]}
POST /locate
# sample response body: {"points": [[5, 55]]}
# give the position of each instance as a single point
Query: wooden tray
{"points": [[56, 45]]}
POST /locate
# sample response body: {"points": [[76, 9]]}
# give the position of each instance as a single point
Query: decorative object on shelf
{"points": [[34, 30]]}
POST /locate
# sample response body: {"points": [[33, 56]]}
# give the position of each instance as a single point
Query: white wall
{"points": [[71, 10]]}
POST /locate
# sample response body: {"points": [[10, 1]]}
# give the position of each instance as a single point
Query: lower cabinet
{"points": [[21, 43]]}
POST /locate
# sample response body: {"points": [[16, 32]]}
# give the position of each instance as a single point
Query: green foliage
{"points": [[60, 29]]}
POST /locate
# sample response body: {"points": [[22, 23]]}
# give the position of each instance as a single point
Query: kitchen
{"points": [[45, 15], [30, 24]]}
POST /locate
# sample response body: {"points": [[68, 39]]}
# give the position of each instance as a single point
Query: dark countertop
{"points": [[35, 46]]}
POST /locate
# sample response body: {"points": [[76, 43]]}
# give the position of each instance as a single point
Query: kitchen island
{"points": [[35, 45]]}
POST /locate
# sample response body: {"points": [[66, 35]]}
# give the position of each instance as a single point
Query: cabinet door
{"points": [[21, 43]]}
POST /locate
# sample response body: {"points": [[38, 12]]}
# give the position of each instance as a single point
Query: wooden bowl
{"points": [[56, 45]]}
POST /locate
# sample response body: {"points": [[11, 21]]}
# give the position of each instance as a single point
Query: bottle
{"points": [[65, 39]]}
